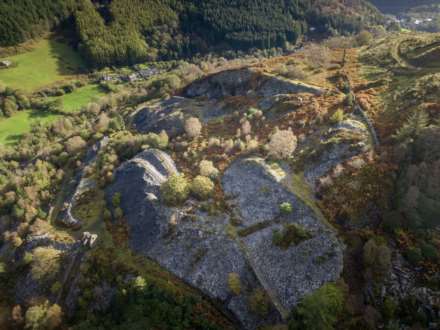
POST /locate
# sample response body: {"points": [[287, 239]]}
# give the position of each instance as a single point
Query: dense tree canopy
{"points": [[24, 19], [129, 31]]}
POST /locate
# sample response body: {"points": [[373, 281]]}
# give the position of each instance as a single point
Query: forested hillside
{"points": [[121, 32], [24, 19]]}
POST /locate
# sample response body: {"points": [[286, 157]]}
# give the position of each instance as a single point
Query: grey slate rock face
{"points": [[169, 115], [164, 115], [193, 246], [256, 191], [246, 82], [225, 83], [337, 153], [200, 250], [138, 181], [205, 99]]}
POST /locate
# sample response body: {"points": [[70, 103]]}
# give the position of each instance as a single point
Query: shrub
{"points": [[340, 42], [139, 283], [364, 38], [75, 144], [286, 208], [193, 127], [175, 190], [202, 187], [295, 72], [102, 123], [282, 144], [377, 259], [234, 283], [43, 317], [173, 82], [56, 287], [9, 106], [2, 268], [259, 302], [319, 310], [208, 169], [116, 199], [246, 128], [429, 252], [159, 141], [119, 213], [389, 308], [291, 234], [22, 100], [337, 117], [349, 100]]}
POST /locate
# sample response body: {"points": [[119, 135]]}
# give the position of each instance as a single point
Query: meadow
{"points": [[48, 62], [77, 99], [11, 129]]}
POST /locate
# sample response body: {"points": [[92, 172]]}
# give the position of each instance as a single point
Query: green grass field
{"points": [[49, 62], [11, 129], [81, 97]]}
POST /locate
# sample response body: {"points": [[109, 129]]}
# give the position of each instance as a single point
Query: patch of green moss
{"points": [[291, 234]]}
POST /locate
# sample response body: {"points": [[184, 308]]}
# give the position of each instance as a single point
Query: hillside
{"points": [[250, 193], [398, 6], [120, 32], [217, 165]]}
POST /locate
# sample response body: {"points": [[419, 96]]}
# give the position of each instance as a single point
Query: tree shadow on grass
{"points": [[13, 139], [40, 115], [69, 61]]}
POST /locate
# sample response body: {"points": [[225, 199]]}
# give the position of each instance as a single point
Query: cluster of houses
{"points": [[141, 74]]}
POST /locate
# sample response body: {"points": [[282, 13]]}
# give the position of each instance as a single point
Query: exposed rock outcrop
{"points": [[246, 82], [78, 186], [192, 245], [203, 250], [342, 142], [207, 99], [256, 191]]}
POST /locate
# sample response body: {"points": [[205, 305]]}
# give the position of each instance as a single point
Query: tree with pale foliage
{"points": [[208, 169], [202, 187], [43, 317], [75, 144], [193, 127], [282, 144], [175, 190]]}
